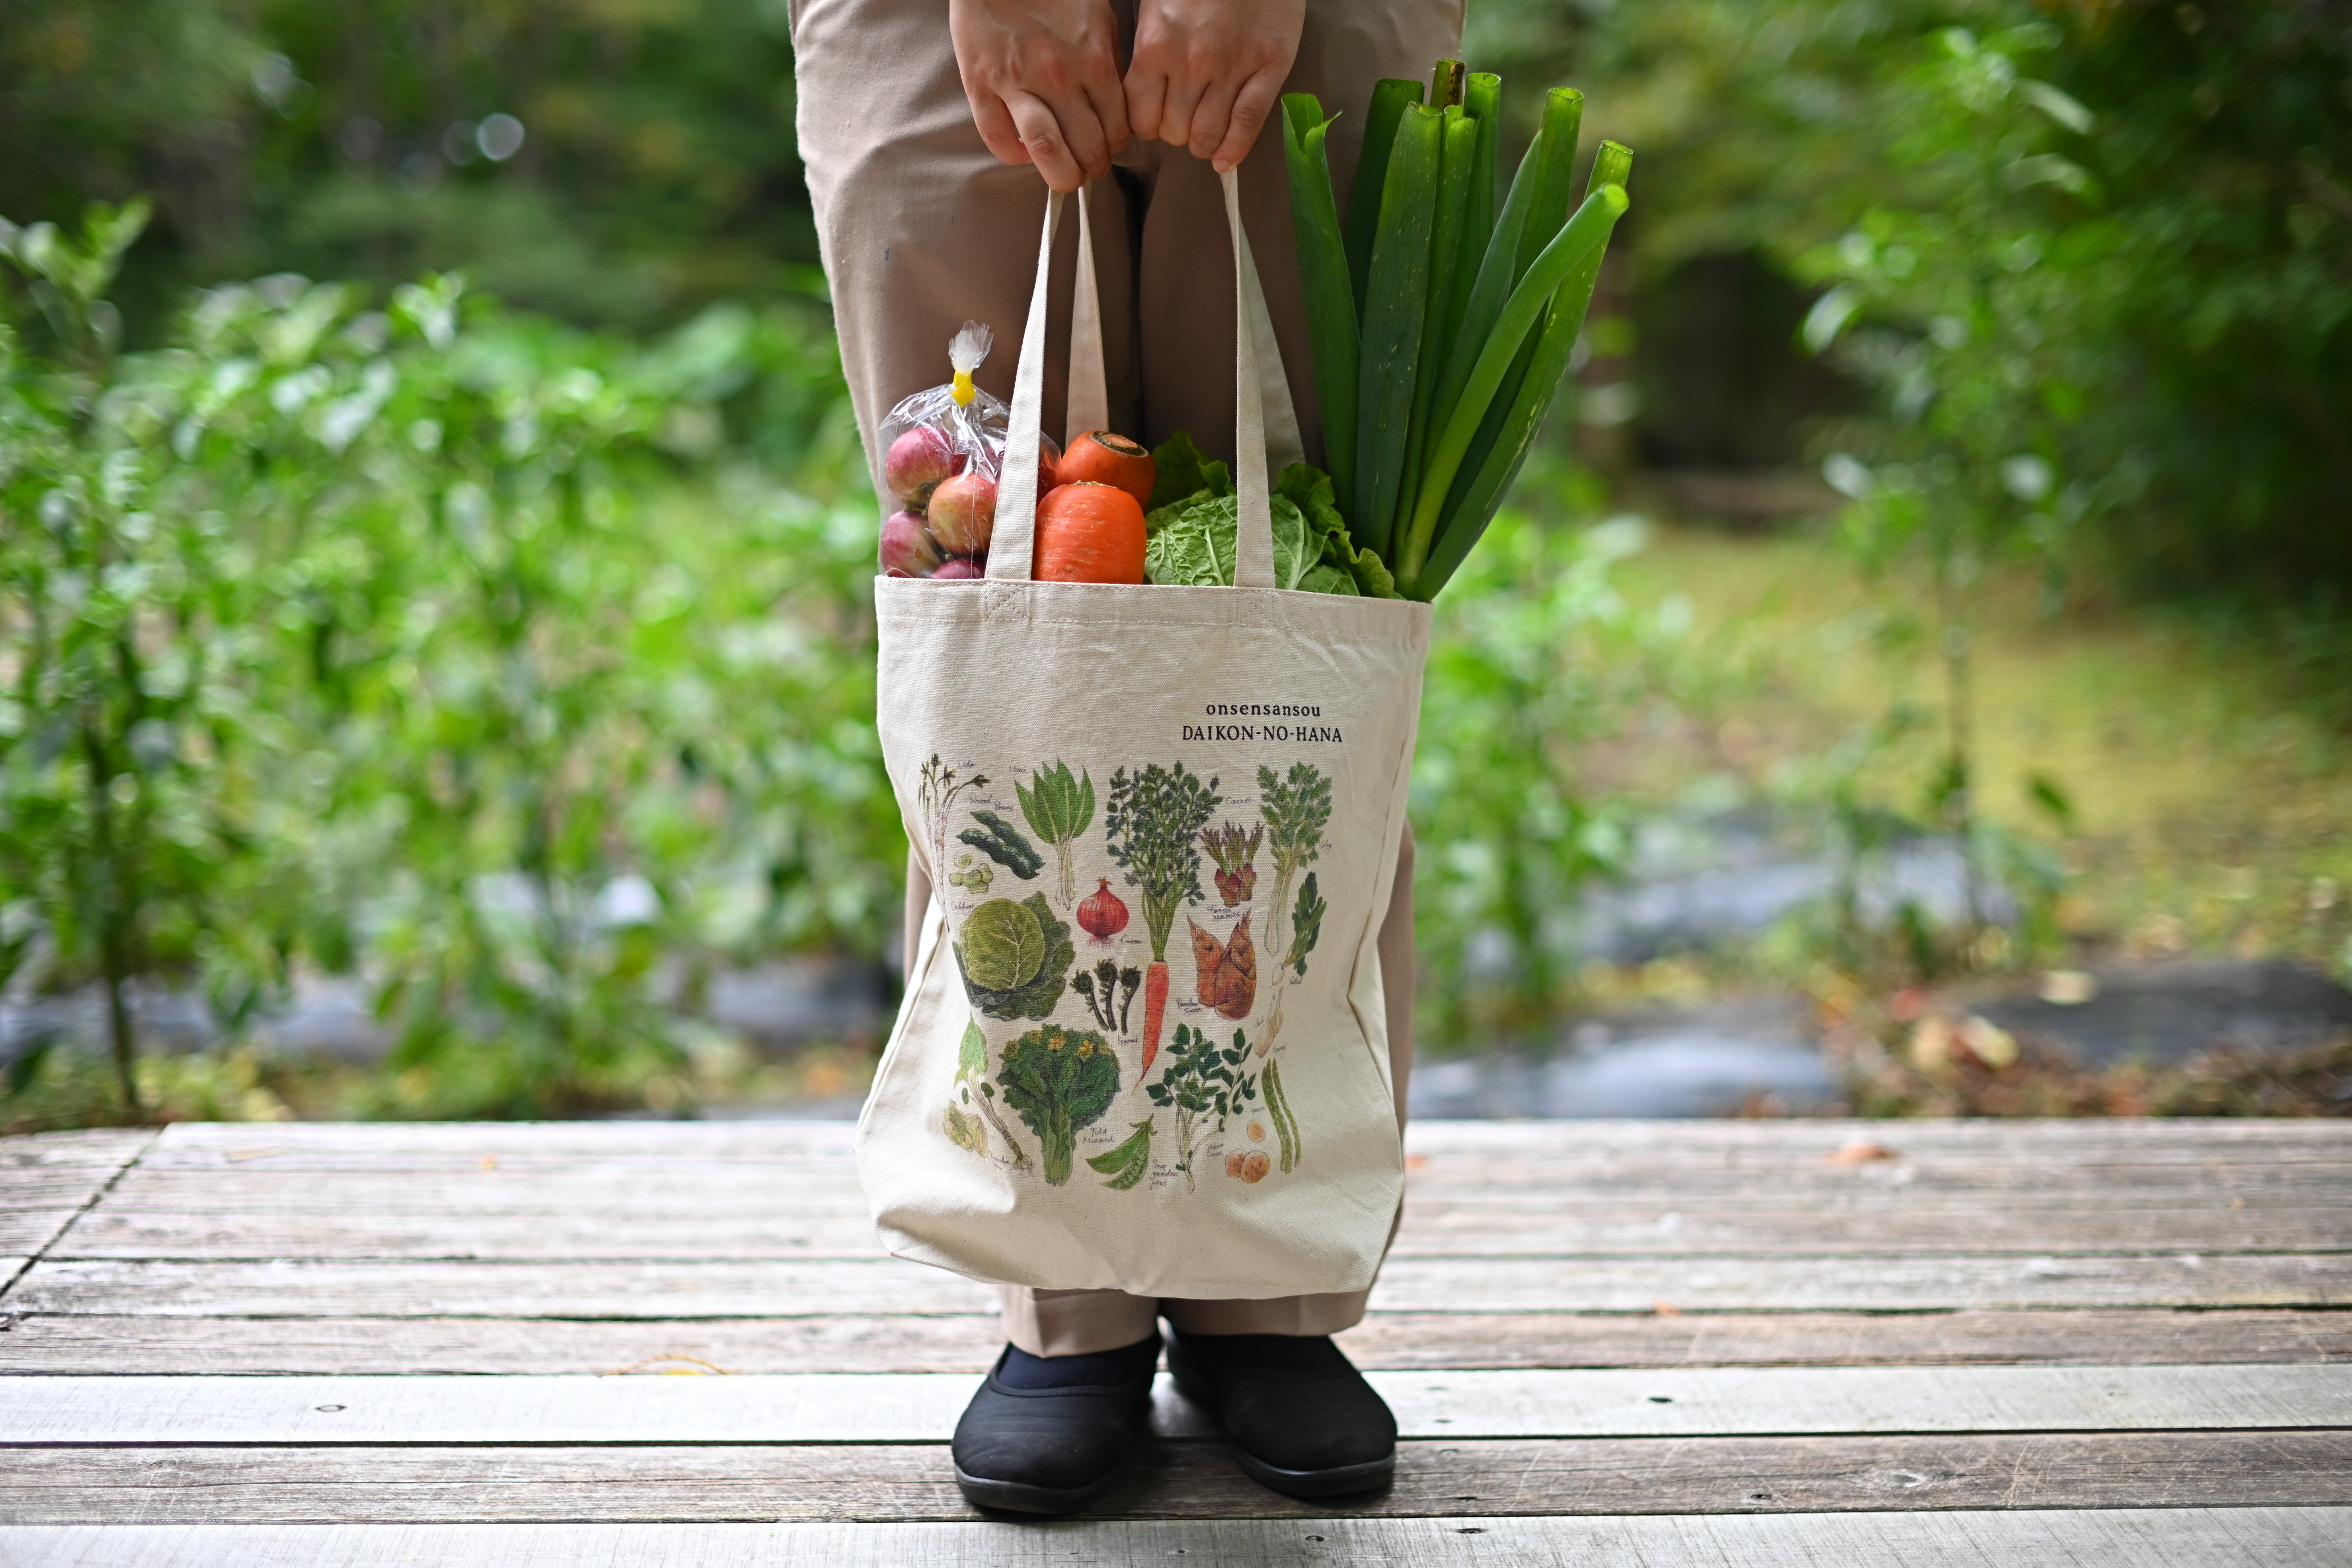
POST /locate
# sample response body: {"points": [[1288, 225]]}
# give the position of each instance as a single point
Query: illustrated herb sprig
{"points": [[1059, 1080], [1152, 820], [1002, 842], [935, 793], [1059, 808], [1296, 809], [1205, 1085]]}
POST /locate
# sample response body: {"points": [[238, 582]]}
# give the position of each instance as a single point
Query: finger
{"points": [[1147, 93], [1041, 137], [1177, 111], [1210, 116], [996, 128], [1082, 132], [1252, 108], [1108, 96]]}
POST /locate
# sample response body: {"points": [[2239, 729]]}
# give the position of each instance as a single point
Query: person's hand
{"points": [[1043, 78], [1206, 72]]}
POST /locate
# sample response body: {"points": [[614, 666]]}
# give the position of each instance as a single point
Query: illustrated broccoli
{"points": [[1059, 1080]]}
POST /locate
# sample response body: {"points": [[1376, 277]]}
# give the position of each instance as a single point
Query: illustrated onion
{"points": [[1101, 914]]}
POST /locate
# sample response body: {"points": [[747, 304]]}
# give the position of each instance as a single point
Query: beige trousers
{"points": [[921, 228]]}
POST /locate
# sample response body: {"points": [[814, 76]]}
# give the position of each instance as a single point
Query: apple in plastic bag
{"points": [[919, 458], [908, 548], [962, 513]]}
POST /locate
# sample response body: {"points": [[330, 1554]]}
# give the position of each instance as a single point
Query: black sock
{"points": [[1267, 1353], [1097, 1369]]}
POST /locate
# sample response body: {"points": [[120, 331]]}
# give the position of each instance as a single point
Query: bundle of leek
{"points": [[1441, 328]]}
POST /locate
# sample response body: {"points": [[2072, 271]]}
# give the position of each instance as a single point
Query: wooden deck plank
{"points": [[967, 1343], [914, 1483], [2080, 1538], [829, 1408], [686, 1289], [376, 1233], [2169, 1138], [47, 1179]]}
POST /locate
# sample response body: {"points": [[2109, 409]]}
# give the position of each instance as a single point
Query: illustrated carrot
{"points": [[1089, 533], [1153, 821], [1155, 1009]]}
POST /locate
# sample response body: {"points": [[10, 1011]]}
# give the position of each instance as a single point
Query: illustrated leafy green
{"points": [[1306, 925], [1058, 1080], [1059, 807], [1203, 1083], [1296, 809], [1153, 821], [1034, 998]]}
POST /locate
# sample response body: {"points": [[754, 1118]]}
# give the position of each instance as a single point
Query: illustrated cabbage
{"points": [[1015, 958]]}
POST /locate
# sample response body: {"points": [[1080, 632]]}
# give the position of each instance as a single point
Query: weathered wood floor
{"points": [[1607, 1344]]}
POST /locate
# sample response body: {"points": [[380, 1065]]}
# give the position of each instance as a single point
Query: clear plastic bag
{"points": [[945, 449]]}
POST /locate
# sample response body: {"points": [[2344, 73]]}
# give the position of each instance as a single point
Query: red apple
{"points": [[908, 548], [919, 460], [956, 568], [962, 513]]}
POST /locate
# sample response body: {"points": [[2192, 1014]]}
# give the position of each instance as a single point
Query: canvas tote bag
{"points": [[1213, 779]]}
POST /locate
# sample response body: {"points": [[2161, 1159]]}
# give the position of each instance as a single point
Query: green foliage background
{"points": [[489, 621]]}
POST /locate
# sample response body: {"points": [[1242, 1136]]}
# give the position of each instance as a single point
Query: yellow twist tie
{"points": [[963, 388]]}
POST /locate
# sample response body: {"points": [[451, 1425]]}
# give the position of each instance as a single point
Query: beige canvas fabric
{"points": [[1021, 1132]]}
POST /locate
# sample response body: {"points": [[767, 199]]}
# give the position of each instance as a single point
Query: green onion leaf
{"points": [[1396, 300], [1390, 95], [1323, 273], [1584, 235]]}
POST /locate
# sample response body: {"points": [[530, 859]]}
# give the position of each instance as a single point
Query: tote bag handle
{"points": [[1265, 424]]}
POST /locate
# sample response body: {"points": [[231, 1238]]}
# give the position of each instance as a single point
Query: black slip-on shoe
{"points": [[1298, 1416], [1048, 1450]]}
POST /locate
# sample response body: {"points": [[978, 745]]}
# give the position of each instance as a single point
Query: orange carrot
{"points": [[1089, 533], [1155, 1009], [1107, 459]]}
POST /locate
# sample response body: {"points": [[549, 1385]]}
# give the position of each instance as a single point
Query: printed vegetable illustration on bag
{"points": [[1226, 971], [1110, 992], [1002, 842], [1306, 928], [1203, 1086], [1151, 822], [1296, 808], [965, 1127], [1130, 1162], [1014, 957], [1236, 874], [1059, 808], [935, 795], [1059, 1080], [1102, 914]]}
